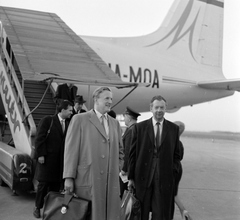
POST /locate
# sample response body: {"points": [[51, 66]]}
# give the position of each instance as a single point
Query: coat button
{"points": [[103, 141], [103, 156], [101, 172]]}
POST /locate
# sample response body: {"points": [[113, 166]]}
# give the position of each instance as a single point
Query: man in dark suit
{"points": [[154, 161], [130, 119], [66, 91], [49, 145], [78, 104]]}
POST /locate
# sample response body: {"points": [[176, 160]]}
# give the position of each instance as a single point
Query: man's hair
{"points": [[99, 90], [63, 105], [159, 98]]}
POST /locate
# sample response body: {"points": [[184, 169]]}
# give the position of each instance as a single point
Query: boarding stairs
{"points": [[25, 103], [20, 99], [36, 48]]}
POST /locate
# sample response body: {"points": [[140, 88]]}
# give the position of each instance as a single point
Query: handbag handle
{"points": [[66, 201]]}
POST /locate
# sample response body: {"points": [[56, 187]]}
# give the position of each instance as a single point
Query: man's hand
{"points": [[41, 160], [131, 185], [69, 185]]}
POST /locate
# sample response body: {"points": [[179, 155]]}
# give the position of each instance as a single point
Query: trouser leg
{"points": [[156, 203], [146, 204], [42, 190], [157, 212]]}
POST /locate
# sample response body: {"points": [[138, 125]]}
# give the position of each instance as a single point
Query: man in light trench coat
{"points": [[94, 156]]}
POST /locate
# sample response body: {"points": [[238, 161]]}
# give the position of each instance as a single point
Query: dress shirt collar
{"points": [[60, 118], [76, 110], [99, 115], [154, 122]]}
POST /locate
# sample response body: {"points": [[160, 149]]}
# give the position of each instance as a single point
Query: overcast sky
{"points": [[140, 17]]}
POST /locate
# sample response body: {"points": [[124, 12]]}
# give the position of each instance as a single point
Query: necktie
{"points": [[63, 125], [105, 124], [158, 141]]}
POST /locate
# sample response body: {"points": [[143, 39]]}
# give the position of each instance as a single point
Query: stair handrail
{"points": [[19, 90], [40, 102]]}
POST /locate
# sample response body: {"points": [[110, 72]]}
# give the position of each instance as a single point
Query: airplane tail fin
{"points": [[191, 31], [194, 27]]}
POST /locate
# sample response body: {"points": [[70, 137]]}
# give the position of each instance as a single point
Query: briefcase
{"points": [[59, 206], [130, 207]]}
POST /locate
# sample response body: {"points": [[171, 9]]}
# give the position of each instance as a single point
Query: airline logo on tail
{"points": [[178, 28]]}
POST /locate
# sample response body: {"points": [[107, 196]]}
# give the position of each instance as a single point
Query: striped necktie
{"points": [[105, 124]]}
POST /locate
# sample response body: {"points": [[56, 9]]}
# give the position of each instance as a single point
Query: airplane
{"points": [[181, 60]]}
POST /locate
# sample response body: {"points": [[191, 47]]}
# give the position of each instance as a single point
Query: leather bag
{"points": [[130, 207], [59, 206]]}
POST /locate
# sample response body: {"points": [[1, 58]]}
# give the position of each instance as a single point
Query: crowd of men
{"points": [[85, 152]]}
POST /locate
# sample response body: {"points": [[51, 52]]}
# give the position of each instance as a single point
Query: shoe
{"points": [[36, 212]]}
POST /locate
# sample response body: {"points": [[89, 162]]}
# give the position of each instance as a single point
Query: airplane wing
{"points": [[230, 84]]}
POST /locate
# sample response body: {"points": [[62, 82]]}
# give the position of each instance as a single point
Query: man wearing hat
{"points": [[78, 104], [130, 118]]}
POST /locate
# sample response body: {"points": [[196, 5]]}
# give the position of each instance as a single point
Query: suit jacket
{"points": [[127, 138], [94, 163], [64, 93], [141, 160], [74, 112], [51, 146]]}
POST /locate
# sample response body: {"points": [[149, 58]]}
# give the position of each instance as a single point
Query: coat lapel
{"points": [[164, 131], [150, 131], [95, 121], [57, 123], [111, 128], [59, 126], [125, 132]]}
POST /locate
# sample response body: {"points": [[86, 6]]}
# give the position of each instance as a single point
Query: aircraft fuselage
{"points": [[175, 79]]}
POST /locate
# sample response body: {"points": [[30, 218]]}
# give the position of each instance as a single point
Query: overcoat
{"points": [[141, 160], [127, 138], [51, 146], [64, 93], [94, 162]]}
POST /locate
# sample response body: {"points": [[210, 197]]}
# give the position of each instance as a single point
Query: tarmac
{"points": [[209, 189]]}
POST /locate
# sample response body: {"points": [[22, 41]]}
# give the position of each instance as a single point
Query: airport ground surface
{"points": [[210, 187]]}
